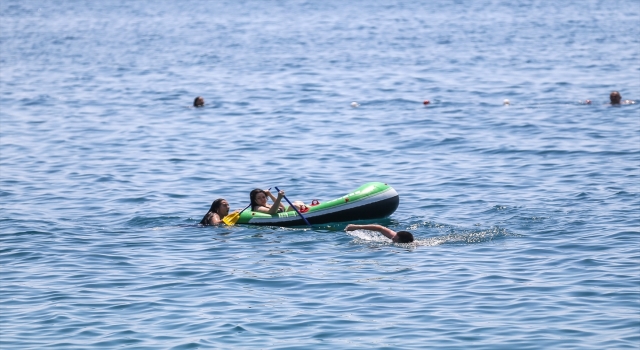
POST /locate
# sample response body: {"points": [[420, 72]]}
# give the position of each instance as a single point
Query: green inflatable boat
{"points": [[373, 200]]}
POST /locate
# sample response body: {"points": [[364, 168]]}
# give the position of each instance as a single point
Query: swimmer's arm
{"points": [[377, 228]]}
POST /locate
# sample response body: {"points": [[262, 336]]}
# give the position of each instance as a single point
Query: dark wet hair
{"points": [[252, 197], [195, 102], [404, 237], [615, 98], [214, 209]]}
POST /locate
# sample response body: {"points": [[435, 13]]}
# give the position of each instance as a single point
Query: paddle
{"points": [[231, 219], [295, 208]]}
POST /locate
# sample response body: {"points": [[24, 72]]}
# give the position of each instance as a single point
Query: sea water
{"points": [[526, 215]]}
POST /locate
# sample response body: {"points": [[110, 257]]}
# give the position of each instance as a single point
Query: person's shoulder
{"points": [[214, 219]]}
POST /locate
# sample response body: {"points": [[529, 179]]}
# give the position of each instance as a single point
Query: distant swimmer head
{"points": [[355, 104], [615, 98], [506, 102], [426, 102], [198, 102], [587, 102]]}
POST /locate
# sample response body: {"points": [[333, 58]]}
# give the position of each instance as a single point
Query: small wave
{"points": [[472, 236], [133, 200], [140, 221]]}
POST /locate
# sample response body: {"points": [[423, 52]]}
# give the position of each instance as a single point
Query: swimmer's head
{"points": [[506, 102], [615, 98], [198, 102], [403, 237]]}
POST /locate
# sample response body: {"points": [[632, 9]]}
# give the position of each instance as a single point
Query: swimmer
{"points": [[219, 209], [198, 102], [616, 98], [397, 237], [506, 102]]}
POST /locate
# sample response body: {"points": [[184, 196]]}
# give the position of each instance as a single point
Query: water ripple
{"points": [[525, 215]]}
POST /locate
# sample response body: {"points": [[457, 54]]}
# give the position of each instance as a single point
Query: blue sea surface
{"points": [[526, 215]]}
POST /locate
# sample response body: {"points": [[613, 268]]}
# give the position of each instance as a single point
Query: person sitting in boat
{"points": [[259, 203], [219, 209], [616, 99], [397, 237]]}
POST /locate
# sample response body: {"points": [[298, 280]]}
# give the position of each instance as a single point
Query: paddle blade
{"points": [[231, 219]]}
